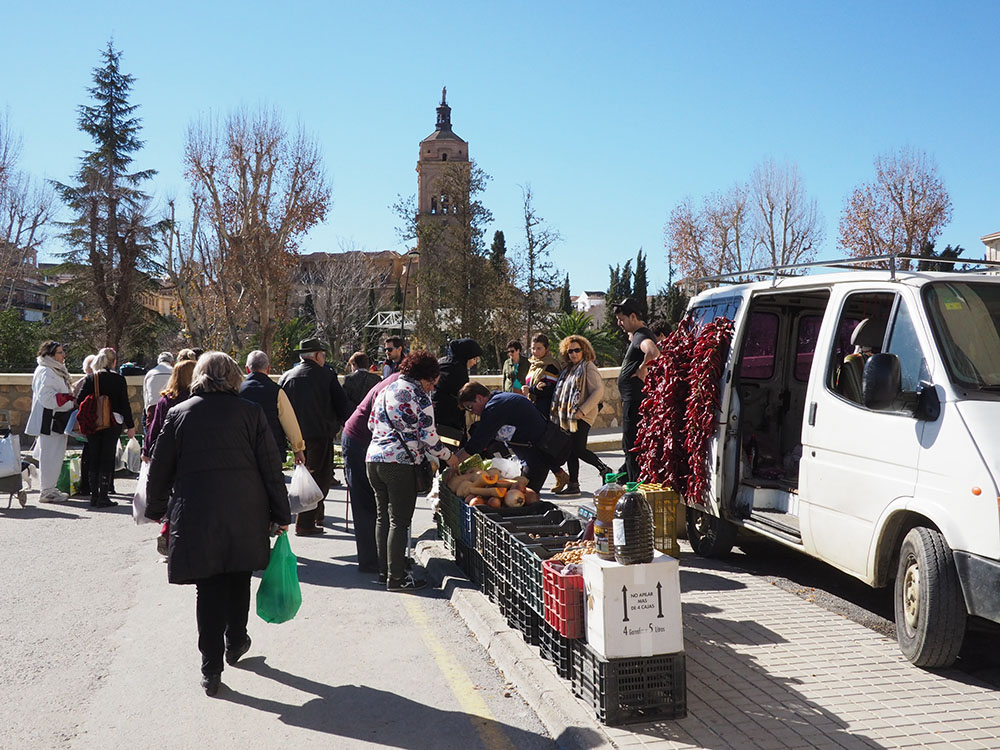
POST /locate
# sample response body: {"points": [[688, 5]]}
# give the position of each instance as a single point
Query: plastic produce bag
{"points": [[279, 596], [303, 494], [10, 455], [132, 455], [508, 467], [65, 481], [119, 456], [139, 498]]}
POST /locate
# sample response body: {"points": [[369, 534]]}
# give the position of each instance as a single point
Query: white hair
{"points": [[88, 363], [258, 361], [308, 355], [105, 359], [216, 372], [166, 357]]}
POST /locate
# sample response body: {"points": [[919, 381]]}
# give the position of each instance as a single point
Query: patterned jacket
{"points": [[403, 408]]}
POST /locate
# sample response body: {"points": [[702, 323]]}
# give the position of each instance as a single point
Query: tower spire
{"points": [[444, 112]]}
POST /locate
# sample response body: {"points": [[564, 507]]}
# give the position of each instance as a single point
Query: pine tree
{"points": [[498, 254], [397, 297], [565, 301], [111, 236]]}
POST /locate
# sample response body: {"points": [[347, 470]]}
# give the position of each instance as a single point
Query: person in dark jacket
{"points": [[178, 389], [361, 380], [462, 354], [259, 388], [105, 442], [216, 475], [321, 407]]}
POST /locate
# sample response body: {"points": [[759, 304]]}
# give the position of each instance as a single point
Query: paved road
{"points": [[98, 651]]}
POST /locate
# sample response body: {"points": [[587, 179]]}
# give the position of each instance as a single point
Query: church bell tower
{"points": [[436, 151]]}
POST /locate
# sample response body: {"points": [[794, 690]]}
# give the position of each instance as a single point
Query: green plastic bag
{"points": [[67, 482], [279, 596]]}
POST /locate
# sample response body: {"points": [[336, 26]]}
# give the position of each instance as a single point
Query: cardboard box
{"points": [[633, 610]]}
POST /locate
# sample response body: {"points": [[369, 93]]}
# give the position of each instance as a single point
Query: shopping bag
{"points": [[508, 468], [75, 467], [303, 493], [139, 498], [279, 596], [65, 482], [10, 455], [72, 425], [119, 456], [132, 455]]}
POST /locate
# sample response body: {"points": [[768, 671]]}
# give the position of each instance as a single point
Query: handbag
{"points": [[103, 420], [423, 472], [95, 411], [556, 444]]}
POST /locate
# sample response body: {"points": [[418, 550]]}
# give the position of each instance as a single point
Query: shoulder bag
{"points": [[95, 411], [423, 472]]}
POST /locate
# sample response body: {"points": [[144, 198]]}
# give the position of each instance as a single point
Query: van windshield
{"points": [[965, 318]]}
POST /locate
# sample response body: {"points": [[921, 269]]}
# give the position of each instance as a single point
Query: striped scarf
{"points": [[569, 395]]}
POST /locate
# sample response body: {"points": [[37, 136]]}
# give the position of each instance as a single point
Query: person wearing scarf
{"points": [[576, 396], [539, 383], [51, 404]]}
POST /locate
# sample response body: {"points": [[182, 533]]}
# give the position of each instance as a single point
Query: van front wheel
{"points": [[930, 608], [709, 535]]}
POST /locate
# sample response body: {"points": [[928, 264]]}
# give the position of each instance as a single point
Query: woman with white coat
{"points": [[51, 403]]}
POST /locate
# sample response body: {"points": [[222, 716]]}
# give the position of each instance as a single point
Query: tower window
{"points": [[434, 205], [444, 157]]}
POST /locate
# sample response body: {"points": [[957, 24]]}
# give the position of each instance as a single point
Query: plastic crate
{"points": [[564, 600], [529, 554], [664, 502], [626, 691], [526, 620], [556, 649]]}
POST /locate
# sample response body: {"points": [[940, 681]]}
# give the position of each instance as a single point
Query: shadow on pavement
{"points": [[378, 716], [35, 511], [694, 581]]}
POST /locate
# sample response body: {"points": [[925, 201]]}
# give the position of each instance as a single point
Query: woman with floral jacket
{"points": [[403, 436]]}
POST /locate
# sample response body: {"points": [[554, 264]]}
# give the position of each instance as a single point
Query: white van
{"points": [[881, 455]]}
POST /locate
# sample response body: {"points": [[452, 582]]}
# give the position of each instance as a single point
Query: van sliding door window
{"points": [[805, 345], [759, 347]]}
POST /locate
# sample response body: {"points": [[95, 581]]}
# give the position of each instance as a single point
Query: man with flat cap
{"points": [[321, 407]]}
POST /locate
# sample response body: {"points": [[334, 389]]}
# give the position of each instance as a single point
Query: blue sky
{"points": [[613, 113]]}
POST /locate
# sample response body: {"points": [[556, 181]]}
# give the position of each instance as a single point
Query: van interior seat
{"points": [[867, 335]]}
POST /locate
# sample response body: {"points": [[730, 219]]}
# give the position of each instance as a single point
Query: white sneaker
{"points": [[53, 496]]}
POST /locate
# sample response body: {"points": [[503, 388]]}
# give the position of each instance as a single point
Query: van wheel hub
{"points": [[911, 595]]}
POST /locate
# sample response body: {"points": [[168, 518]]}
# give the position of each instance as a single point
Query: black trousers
{"points": [[223, 609], [630, 432], [395, 488], [319, 461], [362, 500], [581, 452], [101, 465]]}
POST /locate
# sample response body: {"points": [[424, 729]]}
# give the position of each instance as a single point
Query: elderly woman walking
{"points": [[51, 404], [576, 396], [403, 436], [216, 474], [105, 442]]}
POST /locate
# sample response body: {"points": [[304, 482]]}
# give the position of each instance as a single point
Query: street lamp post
{"points": [[406, 282]]}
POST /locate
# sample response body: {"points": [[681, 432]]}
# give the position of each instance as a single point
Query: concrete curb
{"points": [[569, 722]]}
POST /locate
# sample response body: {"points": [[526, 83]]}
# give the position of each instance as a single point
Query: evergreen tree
{"points": [[397, 297], [640, 286], [111, 235], [309, 307], [565, 301], [498, 254]]}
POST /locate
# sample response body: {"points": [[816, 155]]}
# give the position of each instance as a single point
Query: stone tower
{"points": [[436, 151]]}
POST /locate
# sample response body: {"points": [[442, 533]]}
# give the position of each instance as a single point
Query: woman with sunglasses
{"points": [[51, 403], [578, 392]]}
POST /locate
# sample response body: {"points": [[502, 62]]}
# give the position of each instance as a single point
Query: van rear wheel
{"points": [[930, 608], [709, 535]]}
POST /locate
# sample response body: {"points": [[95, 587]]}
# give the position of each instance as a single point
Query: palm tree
{"points": [[580, 324]]}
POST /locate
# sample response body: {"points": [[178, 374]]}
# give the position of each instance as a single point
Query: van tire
{"points": [[928, 601], [709, 535]]}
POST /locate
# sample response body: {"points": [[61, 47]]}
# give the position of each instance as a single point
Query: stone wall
{"points": [[15, 398]]}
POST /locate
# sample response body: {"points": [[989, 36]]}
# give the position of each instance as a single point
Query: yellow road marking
{"points": [[464, 690]]}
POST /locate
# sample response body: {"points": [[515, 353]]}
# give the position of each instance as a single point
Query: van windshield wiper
{"points": [[993, 388]]}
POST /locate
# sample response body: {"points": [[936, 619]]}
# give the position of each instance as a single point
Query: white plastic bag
{"points": [[139, 499], [36, 450], [303, 494], [10, 455], [132, 457], [508, 467], [119, 456]]}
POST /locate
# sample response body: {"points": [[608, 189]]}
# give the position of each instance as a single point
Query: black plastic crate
{"points": [[527, 556], [526, 620], [463, 558], [627, 691], [467, 524], [556, 649]]}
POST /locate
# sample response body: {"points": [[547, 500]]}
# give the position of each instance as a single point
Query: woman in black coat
{"points": [[216, 474], [454, 374], [103, 444]]}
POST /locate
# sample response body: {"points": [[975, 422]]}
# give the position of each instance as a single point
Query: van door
{"points": [[856, 460]]}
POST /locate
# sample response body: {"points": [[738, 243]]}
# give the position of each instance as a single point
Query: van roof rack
{"points": [[847, 264]]}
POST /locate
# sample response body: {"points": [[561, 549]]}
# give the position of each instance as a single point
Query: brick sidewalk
{"points": [[766, 669]]}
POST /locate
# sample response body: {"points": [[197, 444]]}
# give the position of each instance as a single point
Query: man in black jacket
{"points": [[321, 407], [259, 388]]}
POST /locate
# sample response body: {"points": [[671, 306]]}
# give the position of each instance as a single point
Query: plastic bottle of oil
{"points": [[633, 527], [605, 500]]}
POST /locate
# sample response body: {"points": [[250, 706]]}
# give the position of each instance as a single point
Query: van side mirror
{"points": [[881, 382]]}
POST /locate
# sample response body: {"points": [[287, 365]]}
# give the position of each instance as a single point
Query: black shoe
{"points": [[382, 578], [211, 684], [605, 470], [573, 488], [233, 654], [409, 583], [104, 503], [309, 531]]}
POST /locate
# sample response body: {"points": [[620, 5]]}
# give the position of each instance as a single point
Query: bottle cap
{"points": [[632, 486], [611, 477]]}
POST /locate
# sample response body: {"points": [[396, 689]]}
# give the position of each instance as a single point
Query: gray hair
{"points": [[88, 363], [105, 359], [309, 355], [216, 372], [258, 361], [164, 357]]}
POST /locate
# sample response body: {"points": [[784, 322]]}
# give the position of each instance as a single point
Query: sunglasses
{"points": [[574, 351], [467, 407], [511, 351], [390, 348]]}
